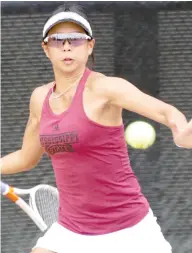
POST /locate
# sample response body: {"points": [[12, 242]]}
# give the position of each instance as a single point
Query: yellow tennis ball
{"points": [[140, 135]]}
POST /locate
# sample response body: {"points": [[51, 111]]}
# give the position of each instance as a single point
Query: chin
{"points": [[66, 69], [71, 68]]}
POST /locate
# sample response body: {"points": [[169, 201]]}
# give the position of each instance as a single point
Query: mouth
{"points": [[67, 59]]}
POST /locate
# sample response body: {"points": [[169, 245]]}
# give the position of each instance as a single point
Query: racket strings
{"points": [[46, 201]]}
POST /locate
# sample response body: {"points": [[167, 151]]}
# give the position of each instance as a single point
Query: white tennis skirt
{"points": [[145, 237]]}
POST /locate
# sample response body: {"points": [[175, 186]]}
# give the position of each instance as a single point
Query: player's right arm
{"points": [[31, 151]]}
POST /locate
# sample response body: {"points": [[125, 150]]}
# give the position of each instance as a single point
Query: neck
{"points": [[65, 80]]}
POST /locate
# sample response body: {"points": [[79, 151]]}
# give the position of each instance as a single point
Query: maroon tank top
{"points": [[98, 191]]}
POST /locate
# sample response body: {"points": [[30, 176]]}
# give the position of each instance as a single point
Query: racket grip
{"points": [[4, 187]]}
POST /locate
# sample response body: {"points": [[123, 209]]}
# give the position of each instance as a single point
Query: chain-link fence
{"points": [[149, 44]]}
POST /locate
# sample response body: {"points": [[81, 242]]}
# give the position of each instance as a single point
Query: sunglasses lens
{"points": [[54, 42], [77, 42]]}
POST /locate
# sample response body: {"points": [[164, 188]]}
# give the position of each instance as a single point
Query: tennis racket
{"points": [[43, 203]]}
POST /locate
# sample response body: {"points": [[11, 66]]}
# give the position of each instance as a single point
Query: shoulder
{"points": [[102, 84], [37, 98], [99, 80], [40, 92]]}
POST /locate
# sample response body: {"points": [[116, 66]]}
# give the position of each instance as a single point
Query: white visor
{"points": [[67, 17]]}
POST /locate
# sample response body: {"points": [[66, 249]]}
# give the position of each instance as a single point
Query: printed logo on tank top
{"points": [[59, 143], [56, 127]]}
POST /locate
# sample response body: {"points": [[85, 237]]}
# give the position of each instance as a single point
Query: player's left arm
{"points": [[123, 94]]}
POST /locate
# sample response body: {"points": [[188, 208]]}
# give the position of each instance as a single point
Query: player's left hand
{"points": [[183, 137]]}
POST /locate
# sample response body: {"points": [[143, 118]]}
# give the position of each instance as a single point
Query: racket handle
{"points": [[4, 187]]}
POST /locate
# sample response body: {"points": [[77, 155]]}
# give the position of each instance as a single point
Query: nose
{"points": [[66, 46]]}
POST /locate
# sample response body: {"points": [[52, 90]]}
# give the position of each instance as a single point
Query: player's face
{"points": [[67, 55]]}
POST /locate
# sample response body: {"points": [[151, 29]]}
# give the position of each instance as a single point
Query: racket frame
{"points": [[31, 208]]}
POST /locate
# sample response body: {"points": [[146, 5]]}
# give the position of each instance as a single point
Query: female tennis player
{"points": [[77, 121]]}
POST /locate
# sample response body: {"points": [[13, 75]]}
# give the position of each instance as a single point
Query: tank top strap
{"points": [[77, 100], [49, 92], [83, 81], [45, 107]]}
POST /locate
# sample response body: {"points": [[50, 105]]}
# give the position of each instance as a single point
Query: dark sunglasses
{"points": [[59, 39]]}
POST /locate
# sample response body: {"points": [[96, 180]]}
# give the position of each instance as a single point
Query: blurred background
{"points": [[147, 43]]}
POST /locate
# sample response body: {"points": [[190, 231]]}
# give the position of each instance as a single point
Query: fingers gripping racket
{"points": [[43, 203]]}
